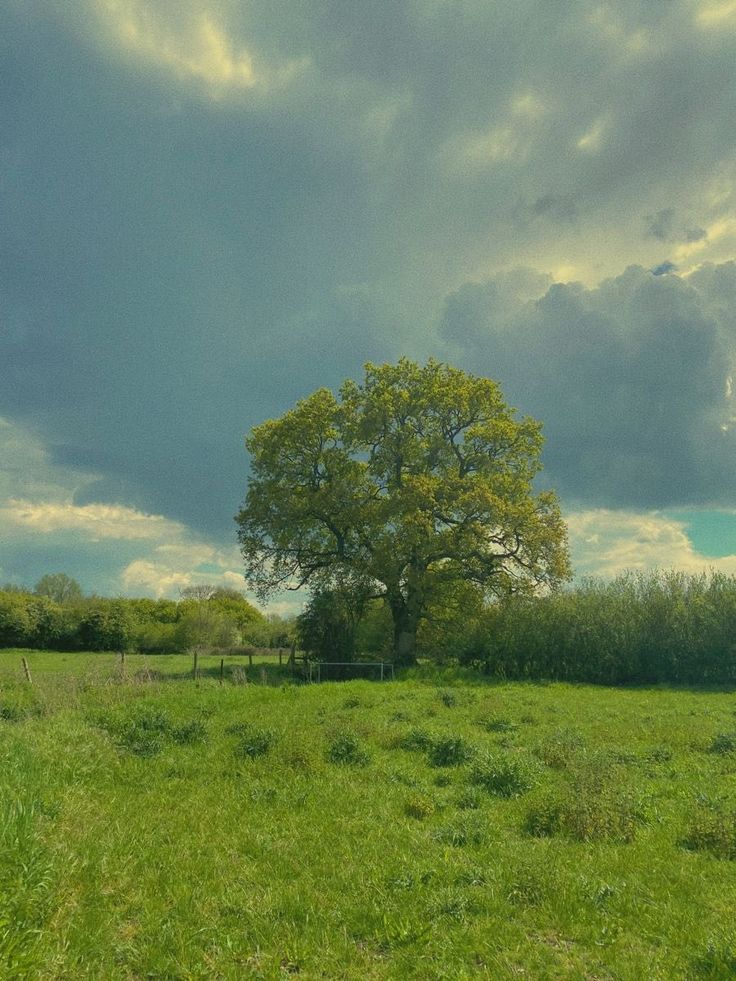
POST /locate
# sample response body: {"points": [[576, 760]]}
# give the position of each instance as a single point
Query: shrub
{"points": [[189, 733], [449, 751], [419, 806], [466, 831], [345, 749], [416, 740], [497, 724], [502, 776], [723, 743], [584, 815], [712, 830], [560, 748], [254, 741]]}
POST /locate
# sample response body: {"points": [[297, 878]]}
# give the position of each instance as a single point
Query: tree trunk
{"points": [[405, 643], [406, 615]]}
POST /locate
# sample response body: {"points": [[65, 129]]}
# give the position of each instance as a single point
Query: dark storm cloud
{"points": [[183, 257], [631, 380]]}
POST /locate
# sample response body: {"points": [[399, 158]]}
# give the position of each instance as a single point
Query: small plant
{"points": [[351, 702], [255, 742], [718, 959], [466, 831], [345, 749], [660, 754], [419, 806], [145, 734], [470, 799], [502, 776], [449, 751], [20, 707], [497, 723], [584, 816], [189, 733], [447, 697], [723, 744], [416, 740], [713, 830], [529, 887], [560, 748]]}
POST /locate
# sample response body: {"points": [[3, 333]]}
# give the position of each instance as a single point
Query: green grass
{"points": [[152, 826]]}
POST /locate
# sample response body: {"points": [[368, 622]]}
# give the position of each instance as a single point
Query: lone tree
{"points": [[419, 477]]}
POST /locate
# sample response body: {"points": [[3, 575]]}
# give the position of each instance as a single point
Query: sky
{"points": [[209, 208]]}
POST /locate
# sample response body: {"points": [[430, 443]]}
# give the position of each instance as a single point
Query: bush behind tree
{"points": [[638, 628]]}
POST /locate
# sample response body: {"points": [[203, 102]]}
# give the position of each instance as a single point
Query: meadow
{"points": [[438, 826]]}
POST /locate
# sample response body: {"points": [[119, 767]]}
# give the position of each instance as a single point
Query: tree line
{"points": [[639, 628], [55, 615]]}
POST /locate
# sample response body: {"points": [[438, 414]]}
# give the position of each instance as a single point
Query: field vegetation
{"points": [[444, 825]]}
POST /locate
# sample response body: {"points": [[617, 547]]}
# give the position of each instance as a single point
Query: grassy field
{"points": [[433, 827]]}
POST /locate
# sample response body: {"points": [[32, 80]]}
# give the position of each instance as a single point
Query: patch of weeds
{"points": [[529, 887], [453, 904], [717, 959], [466, 831], [144, 734], [399, 717], [585, 815], [346, 749], [449, 751], [471, 877], [404, 779], [503, 776], [622, 756], [723, 744], [351, 702], [299, 757], [238, 728], [712, 829], [255, 742], [447, 697], [416, 740], [470, 799], [409, 879], [660, 754], [190, 733], [497, 723], [560, 748], [19, 709], [442, 780], [419, 806]]}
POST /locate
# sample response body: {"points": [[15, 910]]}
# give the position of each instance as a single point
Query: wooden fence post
{"points": [[27, 671], [195, 667], [222, 669], [250, 659]]}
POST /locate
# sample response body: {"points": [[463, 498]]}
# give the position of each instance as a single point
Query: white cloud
{"points": [[169, 555], [606, 543], [716, 14], [192, 40], [90, 521]]}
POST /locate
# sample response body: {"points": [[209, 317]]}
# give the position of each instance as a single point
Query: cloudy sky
{"points": [[211, 207]]}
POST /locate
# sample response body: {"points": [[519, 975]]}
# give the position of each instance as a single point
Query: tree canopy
{"points": [[418, 477]]}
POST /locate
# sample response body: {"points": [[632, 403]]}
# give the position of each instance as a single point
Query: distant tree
{"points": [[420, 477], [200, 591], [59, 587], [203, 627], [107, 625], [327, 628]]}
